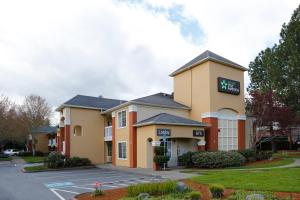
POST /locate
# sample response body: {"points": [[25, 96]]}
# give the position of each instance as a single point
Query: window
{"points": [[228, 135], [122, 150], [122, 119], [77, 131]]}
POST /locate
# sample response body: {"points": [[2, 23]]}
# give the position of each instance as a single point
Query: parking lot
{"points": [[69, 183], [62, 185]]}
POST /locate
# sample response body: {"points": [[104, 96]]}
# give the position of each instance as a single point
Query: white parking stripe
{"points": [[67, 191], [86, 188], [58, 195], [110, 186], [78, 174]]}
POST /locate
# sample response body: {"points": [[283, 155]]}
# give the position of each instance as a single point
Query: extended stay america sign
{"points": [[228, 86]]}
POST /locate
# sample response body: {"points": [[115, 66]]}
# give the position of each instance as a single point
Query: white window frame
{"points": [[119, 142], [229, 140], [120, 120]]}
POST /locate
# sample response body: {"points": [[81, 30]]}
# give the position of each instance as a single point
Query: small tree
{"points": [[269, 112], [36, 112]]}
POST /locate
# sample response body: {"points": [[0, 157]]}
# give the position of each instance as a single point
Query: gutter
{"points": [[175, 124]]}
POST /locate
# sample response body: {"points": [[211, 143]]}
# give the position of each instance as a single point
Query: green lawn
{"points": [[33, 159], [6, 159], [276, 163], [284, 180], [284, 154], [35, 168]]}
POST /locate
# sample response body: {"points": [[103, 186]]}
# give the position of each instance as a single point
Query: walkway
{"points": [[174, 174]]}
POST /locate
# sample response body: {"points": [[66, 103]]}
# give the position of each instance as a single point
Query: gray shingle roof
{"points": [[160, 99], [207, 55], [93, 102], [45, 129], [167, 119]]}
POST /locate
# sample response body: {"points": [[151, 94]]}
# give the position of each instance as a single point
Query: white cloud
{"points": [[58, 49]]}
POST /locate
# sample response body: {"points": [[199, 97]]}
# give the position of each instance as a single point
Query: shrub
{"points": [[160, 160], [194, 195], [249, 154], [263, 155], [39, 153], [160, 150], [25, 153], [3, 156], [241, 194], [152, 188], [218, 159], [77, 162], [216, 190], [54, 160], [186, 159]]}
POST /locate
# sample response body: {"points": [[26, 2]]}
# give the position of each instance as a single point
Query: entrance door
{"points": [[228, 136], [109, 151]]}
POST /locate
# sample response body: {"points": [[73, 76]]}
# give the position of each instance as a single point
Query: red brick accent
{"points": [[132, 140], [61, 138], [67, 140], [241, 134], [201, 148], [113, 123], [211, 133]]}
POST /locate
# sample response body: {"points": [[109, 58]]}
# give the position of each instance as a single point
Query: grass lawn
{"points": [[33, 159], [6, 159], [283, 180], [285, 154], [35, 168], [275, 163]]}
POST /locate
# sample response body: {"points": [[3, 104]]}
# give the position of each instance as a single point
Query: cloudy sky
{"points": [[124, 49]]}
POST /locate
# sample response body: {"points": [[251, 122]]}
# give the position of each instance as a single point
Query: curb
{"points": [[138, 173], [59, 169]]}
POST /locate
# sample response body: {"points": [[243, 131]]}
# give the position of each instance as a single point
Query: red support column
{"points": [[132, 140], [241, 134], [67, 140], [114, 141], [211, 133], [61, 138]]}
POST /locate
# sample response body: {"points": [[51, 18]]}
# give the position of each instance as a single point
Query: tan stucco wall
{"points": [[204, 96], [122, 134], [144, 112], [42, 143], [222, 100], [145, 153], [91, 143]]}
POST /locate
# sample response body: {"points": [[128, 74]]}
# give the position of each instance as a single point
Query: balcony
{"points": [[108, 133]]}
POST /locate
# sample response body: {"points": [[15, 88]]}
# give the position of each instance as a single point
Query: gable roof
{"points": [[161, 99], [45, 129], [205, 56], [98, 103], [167, 119], [158, 99]]}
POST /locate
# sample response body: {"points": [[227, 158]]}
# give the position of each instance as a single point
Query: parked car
{"points": [[12, 152]]}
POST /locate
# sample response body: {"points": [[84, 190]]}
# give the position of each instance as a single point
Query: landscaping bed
{"points": [[113, 194]]}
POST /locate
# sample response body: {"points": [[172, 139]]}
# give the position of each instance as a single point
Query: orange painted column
{"points": [[67, 140], [132, 140], [241, 134], [114, 140], [211, 133]]}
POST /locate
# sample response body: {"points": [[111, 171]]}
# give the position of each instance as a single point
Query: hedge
{"points": [[218, 159], [186, 159], [57, 160]]}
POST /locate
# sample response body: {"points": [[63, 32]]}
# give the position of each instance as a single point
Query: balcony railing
{"points": [[108, 133]]}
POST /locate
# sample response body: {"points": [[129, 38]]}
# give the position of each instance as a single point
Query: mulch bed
{"points": [[119, 193], [205, 190], [263, 162], [113, 194]]}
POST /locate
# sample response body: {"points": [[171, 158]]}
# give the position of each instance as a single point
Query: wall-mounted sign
{"points": [[198, 133], [163, 132], [228, 86]]}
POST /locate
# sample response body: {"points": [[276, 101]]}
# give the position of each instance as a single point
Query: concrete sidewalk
{"points": [[173, 174]]}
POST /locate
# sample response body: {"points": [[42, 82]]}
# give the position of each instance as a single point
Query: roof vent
{"points": [[100, 96]]}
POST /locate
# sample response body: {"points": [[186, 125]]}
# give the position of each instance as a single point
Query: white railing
{"points": [[108, 133]]}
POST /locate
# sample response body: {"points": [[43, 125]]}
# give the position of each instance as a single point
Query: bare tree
{"points": [[35, 113], [4, 108]]}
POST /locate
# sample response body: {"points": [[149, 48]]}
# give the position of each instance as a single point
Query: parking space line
{"points": [[66, 191], [76, 174], [86, 188], [57, 194]]}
